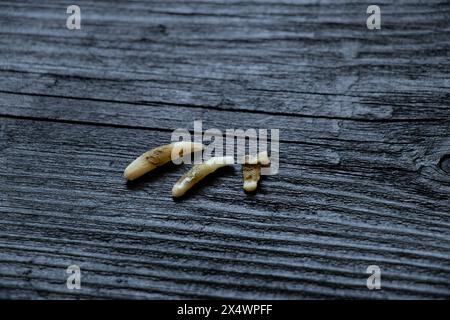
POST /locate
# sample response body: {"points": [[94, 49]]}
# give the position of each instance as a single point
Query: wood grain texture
{"points": [[364, 121]]}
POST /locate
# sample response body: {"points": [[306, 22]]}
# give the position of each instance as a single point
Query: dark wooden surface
{"points": [[364, 119]]}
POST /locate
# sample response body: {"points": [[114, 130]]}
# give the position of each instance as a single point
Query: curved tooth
{"points": [[159, 156], [197, 173], [251, 170]]}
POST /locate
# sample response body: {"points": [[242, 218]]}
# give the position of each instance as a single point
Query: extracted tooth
{"points": [[197, 173], [251, 170], [159, 156]]}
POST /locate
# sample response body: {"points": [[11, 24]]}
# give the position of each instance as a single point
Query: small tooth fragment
{"points": [[261, 158], [197, 173], [159, 156], [251, 170]]}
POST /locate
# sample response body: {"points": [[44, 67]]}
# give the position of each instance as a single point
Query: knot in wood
{"points": [[444, 163]]}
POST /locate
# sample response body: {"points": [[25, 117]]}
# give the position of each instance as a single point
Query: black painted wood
{"points": [[365, 138]]}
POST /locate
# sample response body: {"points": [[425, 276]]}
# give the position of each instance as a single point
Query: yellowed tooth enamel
{"points": [[159, 156], [197, 173], [251, 170]]}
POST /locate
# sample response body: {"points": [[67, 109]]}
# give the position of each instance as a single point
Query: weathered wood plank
{"points": [[65, 198], [364, 118], [288, 57], [414, 146]]}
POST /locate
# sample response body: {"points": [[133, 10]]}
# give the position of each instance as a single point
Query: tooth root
{"points": [[158, 157], [197, 173], [251, 170]]}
